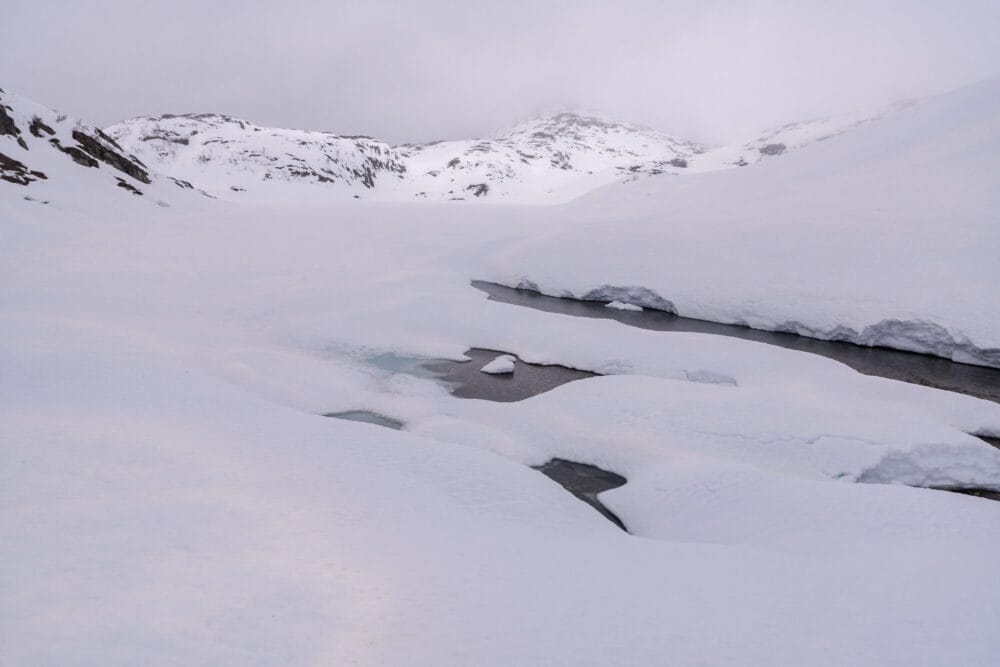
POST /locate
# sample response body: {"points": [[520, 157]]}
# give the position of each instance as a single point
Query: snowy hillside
{"points": [[54, 157], [227, 155], [175, 491], [886, 235], [780, 140], [549, 159]]}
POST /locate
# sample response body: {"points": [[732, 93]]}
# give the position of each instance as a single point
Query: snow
{"points": [[884, 235], [171, 494], [619, 305], [549, 159], [500, 366]]}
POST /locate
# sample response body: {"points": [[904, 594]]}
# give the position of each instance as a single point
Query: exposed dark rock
{"points": [[560, 160], [15, 171], [38, 126], [479, 189], [108, 139], [8, 126], [181, 184], [122, 183], [76, 154], [679, 162], [453, 162], [772, 149], [108, 156]]}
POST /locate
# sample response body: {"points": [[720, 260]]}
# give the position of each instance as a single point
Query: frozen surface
{"points": [[170, 492], [618, 305], [502, 364]]}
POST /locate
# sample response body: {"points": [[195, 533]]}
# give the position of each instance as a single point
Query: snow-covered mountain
{"points": [[549, 159], [554, 158], [47, 152], [782, 139], [224, 153]]}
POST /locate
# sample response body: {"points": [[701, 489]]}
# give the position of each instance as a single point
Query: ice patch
{"points": [[709, 377], [620, 305], [939, 467], [501, 365], [367, 417]]}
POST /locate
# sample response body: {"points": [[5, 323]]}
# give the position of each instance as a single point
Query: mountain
{"points": [[549, 159], [227, 155], [782, 139], [552, 158], [46, 153]]}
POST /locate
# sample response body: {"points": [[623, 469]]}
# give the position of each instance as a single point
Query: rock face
{"points": [[35, 142]]}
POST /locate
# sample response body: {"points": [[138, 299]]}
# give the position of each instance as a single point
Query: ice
{"points": [[499, 366], [619, 305]]}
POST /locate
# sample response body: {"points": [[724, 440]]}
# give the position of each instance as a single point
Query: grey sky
{"points": [[423, 70]]}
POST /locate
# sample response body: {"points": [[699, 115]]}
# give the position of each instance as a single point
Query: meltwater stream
{"points": [[585, 481], [979, 381]]}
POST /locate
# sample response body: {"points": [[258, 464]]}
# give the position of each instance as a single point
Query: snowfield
{"points": [[885, 235], [170, 494]]}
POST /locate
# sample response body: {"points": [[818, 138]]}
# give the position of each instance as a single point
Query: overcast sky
{"points": [[420, 70]]}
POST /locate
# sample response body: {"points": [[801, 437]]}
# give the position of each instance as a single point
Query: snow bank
{"points": [[884, 235]]}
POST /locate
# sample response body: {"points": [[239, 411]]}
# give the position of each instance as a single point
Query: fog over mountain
{"points": [[710, 71]]}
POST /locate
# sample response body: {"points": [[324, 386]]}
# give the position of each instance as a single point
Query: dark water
{"points": [[467, 381], [931, 371], [585, 481]]}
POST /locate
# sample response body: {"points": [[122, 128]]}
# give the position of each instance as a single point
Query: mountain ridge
{"points": [[551, 158]]}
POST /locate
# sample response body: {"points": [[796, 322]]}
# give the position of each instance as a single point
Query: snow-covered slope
{"points": [[780, 140], [884, 235], [549, 159], [170, 494], [53, 157], [226, 154]]}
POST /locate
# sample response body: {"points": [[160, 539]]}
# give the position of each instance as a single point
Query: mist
{"points": [[408, 71]]}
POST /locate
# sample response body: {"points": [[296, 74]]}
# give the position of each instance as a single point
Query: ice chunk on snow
{"points": [[621, 305], [502, 364]]}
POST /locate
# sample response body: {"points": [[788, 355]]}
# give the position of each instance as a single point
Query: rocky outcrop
{"points": [[15, 171], [94, 147]]}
